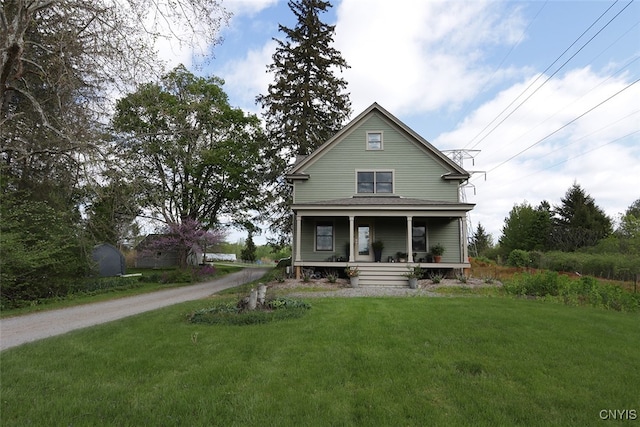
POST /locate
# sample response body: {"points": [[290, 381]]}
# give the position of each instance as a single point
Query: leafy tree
{"points": [[61, 60], [42, 254], [198, 157], [481, 241], [59, 63], [187, 237], [630, 222], [578, 222], [112, 209], [525, 228], [307, 103], [249, 251]]}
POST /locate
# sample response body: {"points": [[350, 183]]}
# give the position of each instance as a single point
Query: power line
{"points": [[549, 78], [565, 125], [581, 154], [589, 134], [585, 94]]}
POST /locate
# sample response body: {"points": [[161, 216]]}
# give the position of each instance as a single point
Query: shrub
{"points": [[519, 258], [539, 284], [111, 283], [233, 314], [610, 266], [585, 291]]}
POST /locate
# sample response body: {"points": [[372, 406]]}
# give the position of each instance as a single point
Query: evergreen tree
{"points": [[249, 251], [307, 103], [480, 242], [578, 222]]}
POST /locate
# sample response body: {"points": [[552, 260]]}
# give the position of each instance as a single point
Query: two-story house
{"points": [[377, 180]]}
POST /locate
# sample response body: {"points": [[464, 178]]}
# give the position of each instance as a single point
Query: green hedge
{"points": [[607, 266], [584, 291]]}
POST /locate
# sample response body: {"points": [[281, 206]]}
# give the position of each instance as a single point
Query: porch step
{"points": [[383, 274]]}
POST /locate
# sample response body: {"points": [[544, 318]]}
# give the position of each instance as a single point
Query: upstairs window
{"points": [[375, 182], [374, 140]]}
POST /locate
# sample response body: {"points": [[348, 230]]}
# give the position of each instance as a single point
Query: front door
{"points": [[364, 233]]}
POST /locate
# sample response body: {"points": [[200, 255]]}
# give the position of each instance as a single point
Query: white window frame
{"points": [[375, 172], [367, 142]]}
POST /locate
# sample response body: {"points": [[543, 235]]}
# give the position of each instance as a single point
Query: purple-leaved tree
{"points": [[188, 237]]}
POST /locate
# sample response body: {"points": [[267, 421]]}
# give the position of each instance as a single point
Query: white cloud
{"points": [[419, 56], [247, 7], [247, 77]]}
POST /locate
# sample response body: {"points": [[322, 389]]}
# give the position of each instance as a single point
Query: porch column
{"points": [[298, 238], [409, 239], [351, 242]]}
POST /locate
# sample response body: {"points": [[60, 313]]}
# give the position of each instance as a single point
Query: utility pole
{"points": [[459, 156]]}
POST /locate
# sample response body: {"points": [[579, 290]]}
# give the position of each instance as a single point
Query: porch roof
{"points": [[372, 205]]}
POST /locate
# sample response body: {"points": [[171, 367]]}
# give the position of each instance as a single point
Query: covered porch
{"points": [[347, 232]]}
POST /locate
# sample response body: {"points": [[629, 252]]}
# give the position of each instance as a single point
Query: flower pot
{"points": [[413, 282], [437, 258], [354, 281]]}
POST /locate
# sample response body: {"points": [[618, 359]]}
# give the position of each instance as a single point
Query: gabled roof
{"points": [[457, 172]]}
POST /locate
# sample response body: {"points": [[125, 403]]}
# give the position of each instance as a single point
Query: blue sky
{"points": [[454, 70]]}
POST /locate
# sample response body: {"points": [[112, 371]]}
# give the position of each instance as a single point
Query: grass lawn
{"points": [[354, 361]]}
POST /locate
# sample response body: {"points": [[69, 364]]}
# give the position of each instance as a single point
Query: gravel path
{"points": [[341, 289], [18, 330]]}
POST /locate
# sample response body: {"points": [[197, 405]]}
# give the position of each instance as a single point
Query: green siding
{"points": [[447, 233], [416, 173]]}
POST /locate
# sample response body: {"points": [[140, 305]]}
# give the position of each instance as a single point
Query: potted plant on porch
{"points": [[413, 275], [353, 274], [378, 246], [402, 256], [437, 251]]}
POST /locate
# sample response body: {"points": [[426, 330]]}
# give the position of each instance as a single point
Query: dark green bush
{"points": [[537, 285], [519, 258]]}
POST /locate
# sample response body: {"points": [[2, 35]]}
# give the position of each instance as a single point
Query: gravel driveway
{"points": [[18, 330]]}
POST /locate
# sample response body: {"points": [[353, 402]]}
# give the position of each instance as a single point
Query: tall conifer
{"points": [[307, 103]]}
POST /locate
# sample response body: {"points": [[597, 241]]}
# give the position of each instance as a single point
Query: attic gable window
{"points": [[374, 140], [375, 182]]}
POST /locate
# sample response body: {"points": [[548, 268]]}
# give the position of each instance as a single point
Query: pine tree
{"points": [[307, 103], [578, 221], [248, 253], [481, 241]]}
